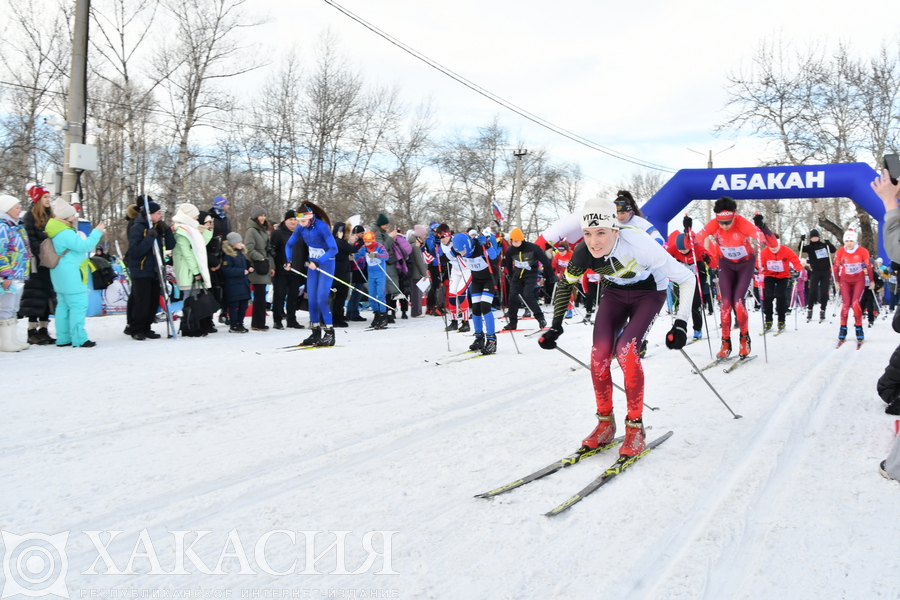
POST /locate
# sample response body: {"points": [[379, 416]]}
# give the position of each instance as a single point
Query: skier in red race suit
{"points": [[636, 271], [686, 252], [776, 264], [732, 234], [851, 265]]}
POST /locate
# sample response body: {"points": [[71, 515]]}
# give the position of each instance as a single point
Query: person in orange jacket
{"points": [[686, 252], [776, 263], [559, 262], [851, 265]]}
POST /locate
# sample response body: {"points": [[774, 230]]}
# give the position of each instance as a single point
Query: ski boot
{"points": [[453, 326], [821, 315], [860, 335], [768, 325], [478, 344], [809, 315], [725, 351], [781, 325], [587, 317], [842, 333], [602, 434], [643, 350], [569, 314], [634, 438], [327, 338], [698, 334], [464, 328], [527, 313], [542, 322], [745, 345], [380, 321], [316, 335], [490, 345], [511, 326]]}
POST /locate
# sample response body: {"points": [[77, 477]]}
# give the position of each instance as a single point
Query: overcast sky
{"points": [[645, 79]]}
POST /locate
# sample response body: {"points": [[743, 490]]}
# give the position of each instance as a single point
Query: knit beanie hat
{"points": [[62, 210], [814, 233], [234, 238], [382, 220], [420, 231], [679, 242], [187, 209], [850, 235], [256, 212], [291, 214], [7, 203], [36, 192], [220, 201], [599, 212], [516, 235], [358, 229], [153, 206]]}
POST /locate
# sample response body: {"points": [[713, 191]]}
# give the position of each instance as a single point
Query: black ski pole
{"points": [[699, 372], [615, 385]]}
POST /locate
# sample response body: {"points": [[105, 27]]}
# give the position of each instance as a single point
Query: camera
{"points": [[892, 164]]}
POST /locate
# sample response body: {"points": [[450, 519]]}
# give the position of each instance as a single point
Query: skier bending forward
{"points": [[635, 273]]}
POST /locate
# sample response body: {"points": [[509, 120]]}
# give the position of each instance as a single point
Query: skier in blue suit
{"points": [[477, 259], [315, 229]]}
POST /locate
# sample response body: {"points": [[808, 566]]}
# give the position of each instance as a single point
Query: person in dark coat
{"points": [[357, 278], [38, 297], [346, 248], [286, 284], [142, 268], [219, 212], [236, 288]]}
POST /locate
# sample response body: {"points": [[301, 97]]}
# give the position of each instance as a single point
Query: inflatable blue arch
{"points": [[847, 180]]}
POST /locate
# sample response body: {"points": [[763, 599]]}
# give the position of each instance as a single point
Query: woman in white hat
{"points": [[851, 264]]}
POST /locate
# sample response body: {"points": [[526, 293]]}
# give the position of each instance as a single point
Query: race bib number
{"points": [[563, 263], [477, 263], [775, 265], [594, 278], [521, 265], [316, 252], [822, 253], [372, 262], [893, 279], [853, 268], [733, 252]]}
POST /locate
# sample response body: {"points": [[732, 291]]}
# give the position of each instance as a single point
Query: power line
{"points": [[497, 99]]}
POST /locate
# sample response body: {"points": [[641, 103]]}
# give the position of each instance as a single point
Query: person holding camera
{"points": [[818, 254]]}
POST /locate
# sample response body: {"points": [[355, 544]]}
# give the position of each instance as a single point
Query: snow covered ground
{"points": [[230, 435]]}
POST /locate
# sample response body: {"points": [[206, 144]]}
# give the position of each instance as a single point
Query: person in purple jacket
{"points": [[315, 229]]}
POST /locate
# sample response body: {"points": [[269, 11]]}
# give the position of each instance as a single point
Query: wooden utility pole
{"points": [[519, 154], [76, 113]]}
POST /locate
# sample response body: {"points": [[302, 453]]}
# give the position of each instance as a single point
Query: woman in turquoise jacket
{"points": [[70, 275]]}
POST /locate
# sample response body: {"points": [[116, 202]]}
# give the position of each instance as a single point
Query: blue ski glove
{"points": [[547, 341], [482, 240]]}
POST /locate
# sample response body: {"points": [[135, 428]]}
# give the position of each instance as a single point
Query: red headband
{"points": [[725, 215]]}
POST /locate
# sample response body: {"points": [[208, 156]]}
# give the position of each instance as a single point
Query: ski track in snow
{"points": [[784, 503]]}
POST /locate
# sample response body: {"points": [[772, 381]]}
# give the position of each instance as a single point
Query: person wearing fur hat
{"points": [[258, 247], [70, 275], [636, 272], [286, 284], [15, 267], [235, 270], [851, 265], [191, 262], [143, 302], [818, 253], [315, 229], [38, 297]]}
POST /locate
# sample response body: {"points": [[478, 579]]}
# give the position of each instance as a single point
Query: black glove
{"points": [[707, 258], [687, 222], [677, 336], [548, 339], [758, 220], [802, 238], [152, 232]]}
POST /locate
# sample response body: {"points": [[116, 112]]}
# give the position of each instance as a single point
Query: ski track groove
{"points": [[156, 419], [399, 438], [678, 539]]}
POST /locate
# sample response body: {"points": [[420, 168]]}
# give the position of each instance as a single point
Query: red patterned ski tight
{"points": [[851, 292], [635, 310]]}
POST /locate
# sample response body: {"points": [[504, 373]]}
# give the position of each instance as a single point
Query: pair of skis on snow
{"points": [[622, 463], [738, 361]]}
